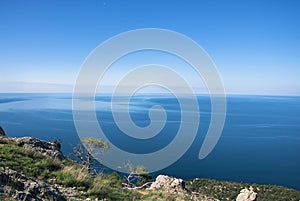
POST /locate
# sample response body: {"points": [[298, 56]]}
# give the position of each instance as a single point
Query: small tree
{"points": [[137, 178], [57, 143], [89, 146]]}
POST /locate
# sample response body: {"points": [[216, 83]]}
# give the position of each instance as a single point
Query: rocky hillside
{"points": [[32, 169]]}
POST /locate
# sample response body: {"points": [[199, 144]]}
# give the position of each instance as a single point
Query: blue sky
{"points": [[254, 44]]}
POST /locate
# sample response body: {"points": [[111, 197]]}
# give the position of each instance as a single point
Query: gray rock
{"points": [[169, 183], [2, 133], [177, 188], [50, 149], [20, 187], [246, 195]]}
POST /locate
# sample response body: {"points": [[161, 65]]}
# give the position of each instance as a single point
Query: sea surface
{"points": [[260, 142]]}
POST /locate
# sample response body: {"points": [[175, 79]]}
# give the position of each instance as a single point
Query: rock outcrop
{"points": [[2, 133], [246, 195], [171, 184], [20, 187], [49, 149], [175, 186]]}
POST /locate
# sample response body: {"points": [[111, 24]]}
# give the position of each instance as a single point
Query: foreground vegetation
{"points": [[67, 173], [224, 190]]}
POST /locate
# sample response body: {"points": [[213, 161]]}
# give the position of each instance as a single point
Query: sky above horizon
{"points": [[254, 44]]}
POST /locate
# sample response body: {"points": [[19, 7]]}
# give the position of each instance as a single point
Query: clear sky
{"points": [[254, 44]]}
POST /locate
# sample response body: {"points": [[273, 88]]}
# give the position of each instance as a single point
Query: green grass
{"points": [[224, 190], [31, 164], [109, 187], [102, 186], [70, 174], [66, 173], [156, 195], [74, 176]]}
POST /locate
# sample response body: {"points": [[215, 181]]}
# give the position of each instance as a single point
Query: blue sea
{"points": [[260, 142]]}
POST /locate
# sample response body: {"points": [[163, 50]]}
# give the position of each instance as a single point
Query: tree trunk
{"points": [[89, 162]]}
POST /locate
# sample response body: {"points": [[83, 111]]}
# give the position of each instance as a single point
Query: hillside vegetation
{"points": [[68, 176]]}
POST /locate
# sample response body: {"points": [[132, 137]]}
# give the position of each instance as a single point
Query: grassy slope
{"points": [[225, 190], [70, 174], [67, 173]]}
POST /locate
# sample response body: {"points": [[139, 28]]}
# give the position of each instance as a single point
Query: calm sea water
{"points": [[260, 142]]}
